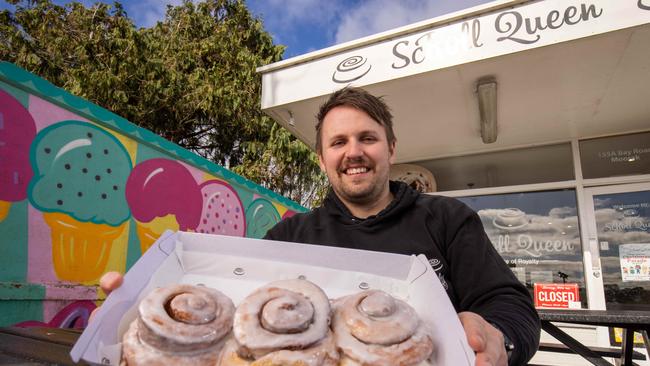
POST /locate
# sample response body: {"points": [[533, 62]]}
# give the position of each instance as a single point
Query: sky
{"points": [[308, 25]]}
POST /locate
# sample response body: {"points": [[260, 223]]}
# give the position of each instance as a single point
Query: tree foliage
{"points": [[190, 78]]}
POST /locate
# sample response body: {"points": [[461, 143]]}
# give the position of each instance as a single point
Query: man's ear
{"points": [[391, 149], [321, 163]]}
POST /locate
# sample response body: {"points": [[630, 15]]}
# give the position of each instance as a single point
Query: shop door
{"points": [[618, 236]]}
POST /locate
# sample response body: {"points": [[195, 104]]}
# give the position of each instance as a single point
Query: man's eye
{"points": [[369, 139], [337, 143]]}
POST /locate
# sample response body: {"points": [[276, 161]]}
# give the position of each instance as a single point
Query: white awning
{"points": [[564, 69]]}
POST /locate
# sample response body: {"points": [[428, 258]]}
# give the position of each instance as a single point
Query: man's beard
{"points": [[365, 195], [368, 192]]}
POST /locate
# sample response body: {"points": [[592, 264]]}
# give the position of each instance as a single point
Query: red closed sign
{"points": [[556, 295]]}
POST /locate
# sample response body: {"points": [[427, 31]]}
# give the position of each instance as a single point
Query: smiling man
{"points": [[356, 157], [364, 210]]}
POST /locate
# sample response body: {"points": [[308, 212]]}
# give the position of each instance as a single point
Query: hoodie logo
{"points": [[438, 267]]}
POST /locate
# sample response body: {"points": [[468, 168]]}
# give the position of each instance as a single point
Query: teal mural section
{"points": [[85, 191], [13, 260], [21, 96], [21, 302]]}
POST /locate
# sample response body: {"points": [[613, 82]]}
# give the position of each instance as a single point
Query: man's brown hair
{"points": [[360, 99]]}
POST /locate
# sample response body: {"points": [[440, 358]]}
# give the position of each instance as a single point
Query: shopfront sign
{"points": [[527, 245], [556, 295], [512, 29], [624, 155]]}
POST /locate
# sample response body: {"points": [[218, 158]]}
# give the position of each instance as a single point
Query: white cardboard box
{"points": [[218, 261]]}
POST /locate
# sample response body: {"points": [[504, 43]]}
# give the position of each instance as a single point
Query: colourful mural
{"points": [[158, 204], [78, 185], [83, 192]]}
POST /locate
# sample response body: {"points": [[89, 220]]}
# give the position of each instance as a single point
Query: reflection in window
{"points": [[539, 164], [615, 156], [623, 225], [537, 234]]}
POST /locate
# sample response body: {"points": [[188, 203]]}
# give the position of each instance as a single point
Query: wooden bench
{"points": [[37, 346], [629, 320], [601, 351]]}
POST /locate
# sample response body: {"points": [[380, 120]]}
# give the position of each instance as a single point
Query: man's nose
{"points": [[354, 150]]}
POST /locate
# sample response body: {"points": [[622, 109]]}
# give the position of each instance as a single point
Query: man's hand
{"points": [[485, 340], [110, 281]]}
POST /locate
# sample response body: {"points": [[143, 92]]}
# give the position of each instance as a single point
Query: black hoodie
{"points": [[452, 237]]}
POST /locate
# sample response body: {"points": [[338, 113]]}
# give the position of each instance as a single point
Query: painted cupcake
{"points": [[80, 172], [162, 194], [17, 130]]}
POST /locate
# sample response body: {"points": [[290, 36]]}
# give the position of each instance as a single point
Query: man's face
{"points": [[355, 155]]}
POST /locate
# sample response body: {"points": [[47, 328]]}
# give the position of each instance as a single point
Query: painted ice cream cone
{"points": [[80, 174], [17, 130], [4, 209], [146, 235], [162, 194], [81, 249], [149, 232]]}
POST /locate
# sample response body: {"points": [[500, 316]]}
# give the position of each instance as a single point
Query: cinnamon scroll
{"points": [[283, 323], [374, 328], [179, 325]]}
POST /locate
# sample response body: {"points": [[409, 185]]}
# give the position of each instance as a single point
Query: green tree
{"points": [[190, 78], [283, 161]]}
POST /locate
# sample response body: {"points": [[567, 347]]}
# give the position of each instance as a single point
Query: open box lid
{"points": [[237, 266]]}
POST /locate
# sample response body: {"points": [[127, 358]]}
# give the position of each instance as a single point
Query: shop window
{"points": [[615, 156], [623, 225], [541, 164], [538, 236]]}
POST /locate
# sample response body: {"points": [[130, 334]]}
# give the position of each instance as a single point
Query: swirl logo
{"points": [[643, 6], [630, 213], [435, 264], [351, 69], [510, 219], [438, 268]]}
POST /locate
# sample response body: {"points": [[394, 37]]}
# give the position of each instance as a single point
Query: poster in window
{"points": [[635, 262]]}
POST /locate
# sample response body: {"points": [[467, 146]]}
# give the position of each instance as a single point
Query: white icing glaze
{"points": [[135, 352], [323, 353], [284, 319], [346, 361], [375, 317], [383, 331], [180, 324]]}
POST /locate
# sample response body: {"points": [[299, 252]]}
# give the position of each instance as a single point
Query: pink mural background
{"points": [[142, 192]]}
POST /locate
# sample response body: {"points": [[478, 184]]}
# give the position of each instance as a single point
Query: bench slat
{"points": [[602, 351]]}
